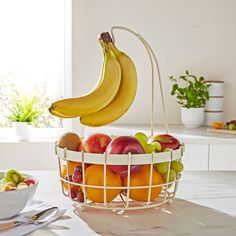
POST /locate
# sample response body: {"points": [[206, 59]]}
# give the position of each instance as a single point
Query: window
{"points": [[35, 55]]}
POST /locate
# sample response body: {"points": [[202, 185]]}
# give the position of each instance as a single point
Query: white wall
{"points": [[185, 34]]}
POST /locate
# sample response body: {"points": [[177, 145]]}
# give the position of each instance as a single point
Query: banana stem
{"points": [[152, 56]]}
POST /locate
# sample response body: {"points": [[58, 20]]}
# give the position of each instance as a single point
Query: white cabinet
{"points": [[222, 157], [28, 156], [195, 157]]}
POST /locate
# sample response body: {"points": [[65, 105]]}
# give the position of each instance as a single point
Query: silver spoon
{"points": [[38, 218]]}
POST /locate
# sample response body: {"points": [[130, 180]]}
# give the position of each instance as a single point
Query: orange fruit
{"points": [[217, 125], [94, 175], [141, 178], [71, 166]]}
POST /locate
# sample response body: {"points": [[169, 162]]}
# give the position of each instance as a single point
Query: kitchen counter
{"points": [[204, 205], [186, 135]]}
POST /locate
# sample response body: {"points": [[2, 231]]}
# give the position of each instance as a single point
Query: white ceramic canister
{"points": [[213, 116], [215, 104], [216, 89]]}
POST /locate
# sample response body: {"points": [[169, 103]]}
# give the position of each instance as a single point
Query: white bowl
{"points": [[13, 202]]}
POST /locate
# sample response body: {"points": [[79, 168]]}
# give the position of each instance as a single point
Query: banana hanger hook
{"points": [[151, 56]]}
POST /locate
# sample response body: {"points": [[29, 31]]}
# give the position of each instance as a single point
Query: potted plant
{"points": [[191, 93], [23, 111]]}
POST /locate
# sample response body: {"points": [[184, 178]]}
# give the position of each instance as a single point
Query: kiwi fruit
{"points": [[70, 140], [14, 176]]}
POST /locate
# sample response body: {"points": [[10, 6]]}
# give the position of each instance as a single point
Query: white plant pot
{"points": [[22, 131], [192, 117]]}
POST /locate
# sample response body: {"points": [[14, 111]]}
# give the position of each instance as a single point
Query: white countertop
{"points": [[204, 205], [186, 135]]}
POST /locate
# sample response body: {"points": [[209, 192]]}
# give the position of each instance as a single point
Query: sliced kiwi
{"points": [[14, 176]]}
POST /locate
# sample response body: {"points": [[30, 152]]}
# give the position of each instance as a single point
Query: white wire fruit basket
{"points": [[128, 195]]}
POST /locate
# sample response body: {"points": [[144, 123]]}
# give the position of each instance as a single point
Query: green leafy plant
{"points": [[190, 91], [24, 109]]}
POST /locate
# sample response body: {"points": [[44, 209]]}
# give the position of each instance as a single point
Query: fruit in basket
{"points": [[142, 178], [71, 167], [124, 145], [70, 140], [96, 143], [125, 95], [148, 147], [162, 168], [14, 176], [172, 177], [166, 141], [73, 192], [80, 196], [76, 194], [177, 166], [77, 175], [94, 175], [99, 97]]}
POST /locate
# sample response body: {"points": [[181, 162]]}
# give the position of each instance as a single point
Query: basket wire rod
{"points": [[67, 173], [105, 179], [150, 54], [128, 180], [59, 165], [168, 174], [150, 180], [113, 187], [83, 176], [176, 187]]}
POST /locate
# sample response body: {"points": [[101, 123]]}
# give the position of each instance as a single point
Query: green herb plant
{"points": [[24, 109], [190, 91]]}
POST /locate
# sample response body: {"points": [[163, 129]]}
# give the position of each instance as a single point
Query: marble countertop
{"points": [[204, 205], [186, 135]]}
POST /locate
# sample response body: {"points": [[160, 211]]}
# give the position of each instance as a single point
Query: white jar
{"points": [[215, 104], [216, 89], [192, 117], [213, 116]]}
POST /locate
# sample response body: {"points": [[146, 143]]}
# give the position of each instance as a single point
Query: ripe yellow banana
{"points": [[125, 95], [58, 114], [99, 97]]}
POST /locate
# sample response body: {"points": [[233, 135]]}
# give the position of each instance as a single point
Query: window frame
{"points": [[53, 133]]}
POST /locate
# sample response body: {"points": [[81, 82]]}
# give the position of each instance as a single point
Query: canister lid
{"points": [[214, 81]]}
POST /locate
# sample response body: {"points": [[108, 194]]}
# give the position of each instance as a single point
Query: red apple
{"points": [[124, 145], [96, 143], [166, 141]]}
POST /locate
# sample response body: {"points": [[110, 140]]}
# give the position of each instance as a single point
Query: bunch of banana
{"points": [[112, 96]]}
